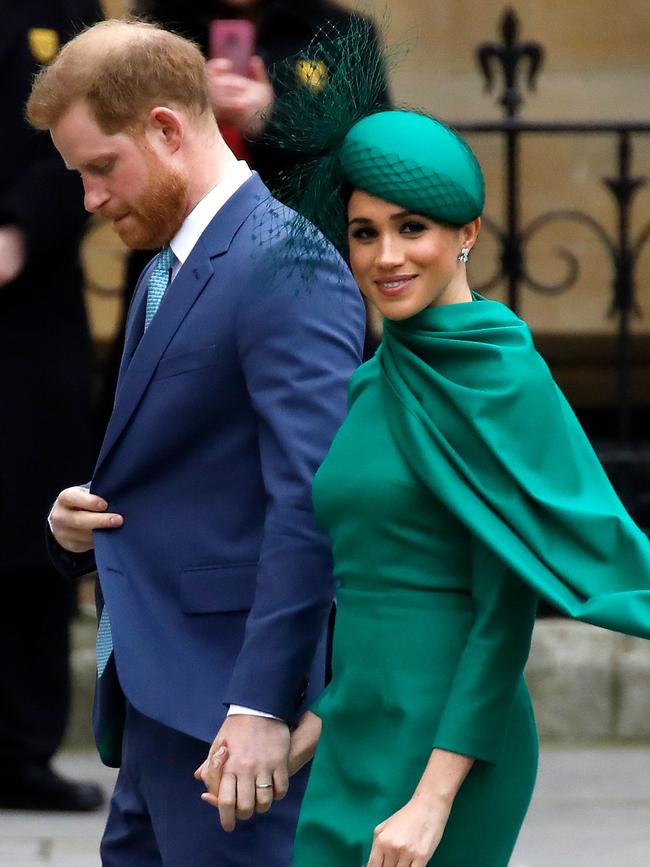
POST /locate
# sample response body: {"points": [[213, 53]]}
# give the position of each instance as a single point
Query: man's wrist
{"points": [[240, 710]]}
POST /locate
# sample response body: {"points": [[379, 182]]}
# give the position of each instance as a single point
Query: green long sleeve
{"points": [[475, 718]]}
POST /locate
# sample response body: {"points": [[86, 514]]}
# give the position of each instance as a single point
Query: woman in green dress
{"points": [[459, 489]]}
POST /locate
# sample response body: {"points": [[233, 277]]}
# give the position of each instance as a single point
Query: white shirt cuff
{"points": [[49, 519], [249, 711]]}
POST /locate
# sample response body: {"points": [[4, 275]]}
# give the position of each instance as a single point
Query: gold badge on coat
{"points": [[44, 43], [312, 74]]}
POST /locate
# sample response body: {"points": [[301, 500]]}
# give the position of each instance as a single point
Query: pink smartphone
{"points": [[233, 39]]}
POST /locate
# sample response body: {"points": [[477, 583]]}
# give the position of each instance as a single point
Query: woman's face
{"points": [[404, 262]]}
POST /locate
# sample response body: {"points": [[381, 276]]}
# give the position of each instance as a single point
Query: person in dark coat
{"points": [[45, 430]]}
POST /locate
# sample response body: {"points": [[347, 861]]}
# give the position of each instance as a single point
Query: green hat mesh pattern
{"points": [[417, 162], [410, 185]]}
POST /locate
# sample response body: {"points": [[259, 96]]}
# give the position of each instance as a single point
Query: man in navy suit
{"points": [[215, 583]]}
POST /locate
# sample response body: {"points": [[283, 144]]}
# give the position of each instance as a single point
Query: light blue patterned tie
{"points": [[158, 283], [104, 646]]}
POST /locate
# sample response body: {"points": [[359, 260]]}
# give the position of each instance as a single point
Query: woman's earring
{"points": [[463, 256]]}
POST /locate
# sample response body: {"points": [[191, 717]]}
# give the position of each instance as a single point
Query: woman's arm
{"points": [[473, 724], [303, 741], [474, 720], [411, 836]]}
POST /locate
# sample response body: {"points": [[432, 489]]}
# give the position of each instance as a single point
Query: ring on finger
{"points": [[263, 785]]}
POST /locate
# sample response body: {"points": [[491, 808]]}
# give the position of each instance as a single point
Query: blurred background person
{"points": [[45, 428], [243, 104]]}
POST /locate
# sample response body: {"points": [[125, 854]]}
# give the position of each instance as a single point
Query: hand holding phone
{"points": [[233, 40], [240, 90]]}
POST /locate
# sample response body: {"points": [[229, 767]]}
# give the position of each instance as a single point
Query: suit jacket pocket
{"points": [[183, 362], [206, 589]]}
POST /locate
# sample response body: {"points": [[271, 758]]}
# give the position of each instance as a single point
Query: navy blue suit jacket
{"points": [[219, 583]]}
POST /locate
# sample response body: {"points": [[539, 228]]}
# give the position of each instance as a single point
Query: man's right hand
{"points": [[75, 514]]}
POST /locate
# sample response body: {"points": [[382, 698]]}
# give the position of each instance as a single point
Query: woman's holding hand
{"points": [[304, 739]]}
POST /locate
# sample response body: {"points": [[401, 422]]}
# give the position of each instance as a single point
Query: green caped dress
{"points": [[459, 488]]}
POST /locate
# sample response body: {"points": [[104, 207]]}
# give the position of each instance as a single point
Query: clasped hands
{"points": [[250, 762]]}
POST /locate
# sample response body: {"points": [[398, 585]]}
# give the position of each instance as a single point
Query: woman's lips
{"points": [[394, 285]]}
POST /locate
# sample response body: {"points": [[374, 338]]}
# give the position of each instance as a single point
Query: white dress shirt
{"points": [[196, 222]]}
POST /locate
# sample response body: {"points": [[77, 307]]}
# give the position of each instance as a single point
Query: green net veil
{"points": [[343, 136], [336, 80]]}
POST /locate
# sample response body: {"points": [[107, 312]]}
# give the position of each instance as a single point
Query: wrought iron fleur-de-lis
{"points": [[509, 54]]}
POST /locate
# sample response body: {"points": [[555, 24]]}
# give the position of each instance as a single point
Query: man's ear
{"points": [[167, 127]]}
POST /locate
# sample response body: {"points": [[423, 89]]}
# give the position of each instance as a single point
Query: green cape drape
{"points": [[478, 417]]}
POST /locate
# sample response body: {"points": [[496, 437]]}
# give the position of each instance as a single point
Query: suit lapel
{"points": [[135, 321], [140, 358], [137, 372]]}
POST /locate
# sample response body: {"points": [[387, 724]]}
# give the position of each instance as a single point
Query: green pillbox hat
{"points": [[417, 162]]}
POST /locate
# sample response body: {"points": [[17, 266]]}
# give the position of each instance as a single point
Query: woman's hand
{"points": [[411, 836], [210, 773], [303, 741]]}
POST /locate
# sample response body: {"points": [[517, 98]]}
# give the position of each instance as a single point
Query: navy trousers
{"points": [[157, 818]]}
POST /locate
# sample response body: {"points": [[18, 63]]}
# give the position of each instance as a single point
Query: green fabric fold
{"points": [[481, 422]]}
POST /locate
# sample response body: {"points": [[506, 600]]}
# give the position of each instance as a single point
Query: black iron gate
{"points": [[517, 63]]}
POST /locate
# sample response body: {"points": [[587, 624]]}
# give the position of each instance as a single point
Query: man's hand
{"points": [[12, 253], [303, 741], [243, 102], [76, 513], [256, 771]]}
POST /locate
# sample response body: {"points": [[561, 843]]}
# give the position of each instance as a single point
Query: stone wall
{"points": [[589, 683]]}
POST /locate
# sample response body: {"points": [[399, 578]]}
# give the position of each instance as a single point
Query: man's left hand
{"points": [[256, 771]]}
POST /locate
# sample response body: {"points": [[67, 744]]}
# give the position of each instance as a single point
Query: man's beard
{"points": [[153, 220]]}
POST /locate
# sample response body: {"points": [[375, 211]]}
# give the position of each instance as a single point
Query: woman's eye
{"points": [[413, 227], [363, 233]]}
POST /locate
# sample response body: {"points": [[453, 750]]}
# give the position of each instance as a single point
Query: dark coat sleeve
{"points": [[68, 564]]}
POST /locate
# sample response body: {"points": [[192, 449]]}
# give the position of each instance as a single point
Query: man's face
{"points": [[129, 179]]}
